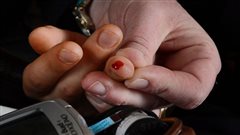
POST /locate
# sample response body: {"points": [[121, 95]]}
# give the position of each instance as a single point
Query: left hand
{"points": [[65, 57]]}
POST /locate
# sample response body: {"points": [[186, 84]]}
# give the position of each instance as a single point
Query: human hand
{"points": [[65, 57], [175, 59]]}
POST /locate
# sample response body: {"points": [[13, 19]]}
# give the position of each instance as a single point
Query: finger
{"points": [[119, 68], [43, 73], [97, 103], [191, 62], [150, 28], [96, 50], [141, 39], [181, 88], [43, 38], [110, 92]]}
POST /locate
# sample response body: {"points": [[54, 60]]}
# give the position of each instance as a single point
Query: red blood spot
{"points": [[117, 65]]}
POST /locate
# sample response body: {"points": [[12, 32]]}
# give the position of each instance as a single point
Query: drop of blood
{"points": [[117, 65]]}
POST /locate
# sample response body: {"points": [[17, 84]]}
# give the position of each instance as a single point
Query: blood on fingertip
{"points": [[117, 65]]}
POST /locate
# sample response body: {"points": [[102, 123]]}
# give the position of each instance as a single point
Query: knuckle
{"points": [[138, 50], [32, 86], [141, 44]]}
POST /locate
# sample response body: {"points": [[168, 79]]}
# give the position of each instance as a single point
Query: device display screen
{"points": [[33, 124]]}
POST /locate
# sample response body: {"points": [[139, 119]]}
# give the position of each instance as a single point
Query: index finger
{"points": [[43, 38]]}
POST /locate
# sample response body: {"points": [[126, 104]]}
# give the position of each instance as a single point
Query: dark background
{"points": [[219, 114]]}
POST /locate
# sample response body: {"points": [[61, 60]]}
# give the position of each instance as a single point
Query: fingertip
{"points": [[136, 56], [39, 37], [43, 38], [70, 53], [107, 37], [137, 84], [119, 68], [101, 44], [41, 75], [114, 28]]}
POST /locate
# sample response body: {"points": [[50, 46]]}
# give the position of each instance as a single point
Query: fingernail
{"points": [[93, 99], [97, 88], [68, 57], [108, 39], [99, 104], [137, 84]]}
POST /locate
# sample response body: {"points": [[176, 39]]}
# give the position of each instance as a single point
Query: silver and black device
{"points": [[57, 117], [53, 117]]}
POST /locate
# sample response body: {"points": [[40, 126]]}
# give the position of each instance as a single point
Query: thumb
{"points": [[142, 39], [146, 31], [138, 51]]}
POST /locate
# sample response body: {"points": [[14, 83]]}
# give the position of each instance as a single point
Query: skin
{"points": [[175, 59], [167, 56], [119, 68], [56, 74]]}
